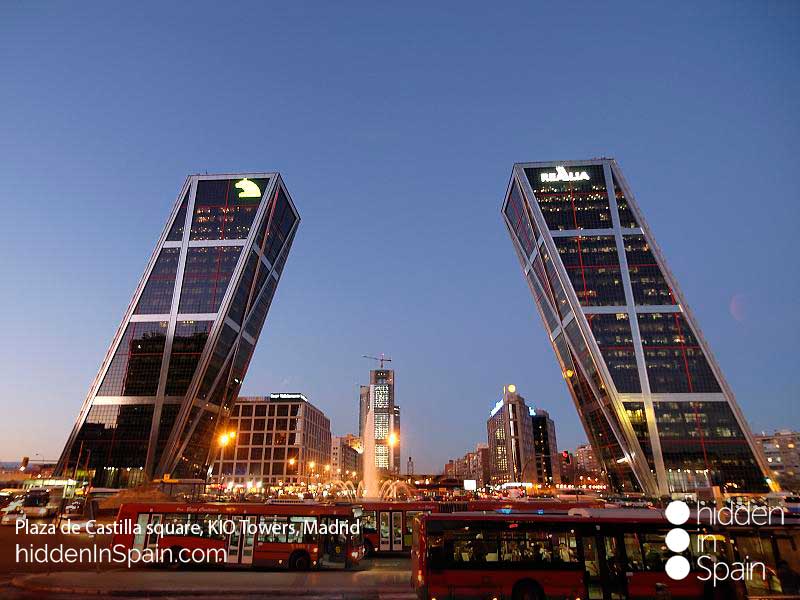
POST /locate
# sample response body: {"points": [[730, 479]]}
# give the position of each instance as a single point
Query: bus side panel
{"points": [[278, 554], [191, 543]]}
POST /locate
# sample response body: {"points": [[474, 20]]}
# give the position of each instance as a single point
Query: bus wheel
{"points": [[369, 550], [527, 590], [299, 561]]}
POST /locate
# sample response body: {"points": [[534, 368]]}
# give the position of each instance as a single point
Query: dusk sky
{"points": [[395, 128]]}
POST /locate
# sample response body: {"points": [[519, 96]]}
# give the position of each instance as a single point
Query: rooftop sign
{"points": [[561, 174]]}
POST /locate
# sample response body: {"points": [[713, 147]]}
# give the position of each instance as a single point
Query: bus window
{"points": [[633, 551], [410, 516], [470, 547], [212, 526], [368, 521], [565, 547], [272, 529], [297, 533], [755, 549], [141, 530], [436, 554], [533, 546], [654, 552], [591, 564]]}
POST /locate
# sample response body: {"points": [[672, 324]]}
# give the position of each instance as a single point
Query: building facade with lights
{"points": [[176, 363], [346, 458], [652, 398], [510, 435], [379, 395], [280, 439], [782, 450]]}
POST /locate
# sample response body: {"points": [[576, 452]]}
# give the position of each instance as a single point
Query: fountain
{"points": [[370, 481], [371, 486]]}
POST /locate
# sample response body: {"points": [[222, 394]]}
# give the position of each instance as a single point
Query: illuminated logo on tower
{"points": [[249, 189], [562, 174]]}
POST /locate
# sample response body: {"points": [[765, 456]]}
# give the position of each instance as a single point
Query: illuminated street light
{"points": [[393, 439]]}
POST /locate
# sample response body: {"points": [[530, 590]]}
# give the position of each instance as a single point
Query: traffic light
{"points": [[567, 458]]}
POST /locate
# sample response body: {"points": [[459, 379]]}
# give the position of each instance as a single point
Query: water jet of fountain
{"points": [[370, 481]]}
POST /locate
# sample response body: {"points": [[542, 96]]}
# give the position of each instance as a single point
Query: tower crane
{"points": [[381, 360]]}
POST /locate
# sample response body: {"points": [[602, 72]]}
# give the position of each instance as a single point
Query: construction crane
{"points": [[381, 360]]}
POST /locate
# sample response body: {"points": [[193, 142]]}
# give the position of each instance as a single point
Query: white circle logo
{"points": [[677, 567], [677, 540], [677, 512]]}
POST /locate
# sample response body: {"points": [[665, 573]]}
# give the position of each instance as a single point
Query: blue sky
{"points": [[395, 128]]}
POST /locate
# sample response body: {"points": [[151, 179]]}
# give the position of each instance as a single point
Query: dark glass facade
{"points": [[206, 276], [134, 370], [675, 362], [221, 213], [176, 367], [612, 332], [702, 441], [572, 204], [157, 294], [187, 347], [592, 265], [647, 282], [607, 298]]}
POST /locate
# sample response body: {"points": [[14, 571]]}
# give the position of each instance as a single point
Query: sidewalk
{"points": [[376, 584]]}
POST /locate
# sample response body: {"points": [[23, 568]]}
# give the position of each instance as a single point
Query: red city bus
{"points": [[602, 554], [297, 536], [530, 505], [387, 525]]}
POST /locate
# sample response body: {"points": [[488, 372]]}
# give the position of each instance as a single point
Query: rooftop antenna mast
{"points": [[381, 360]]}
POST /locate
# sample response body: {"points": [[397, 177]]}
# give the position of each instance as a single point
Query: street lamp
{"points": [[309, 473], [224, 440]]}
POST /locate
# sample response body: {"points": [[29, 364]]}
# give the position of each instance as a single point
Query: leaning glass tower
{"points": [[177, 361], [651, 397]]}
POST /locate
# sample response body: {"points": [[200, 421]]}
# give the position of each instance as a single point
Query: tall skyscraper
{"points": [[175, 365], [548, 471], [510, 435], [653, 400], [379, 395]]}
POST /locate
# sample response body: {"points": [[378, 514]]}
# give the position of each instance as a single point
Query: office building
{"points": [[585, 461], [175, 365], [567, 461], [346, 458], [473, 465], [548, 469], [782, 451], [278, 439], [379, 395], [652, 399], [510, 436]]}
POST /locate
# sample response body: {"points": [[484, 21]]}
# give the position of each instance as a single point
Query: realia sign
{"points": [[562, 174]]}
